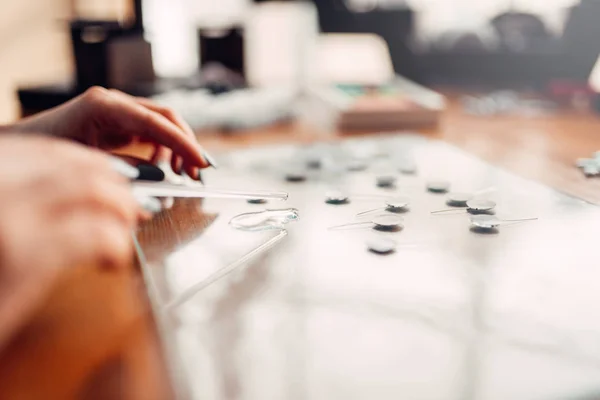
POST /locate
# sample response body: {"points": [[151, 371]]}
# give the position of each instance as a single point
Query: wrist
{"points": [[43, 123], [9, 128]]}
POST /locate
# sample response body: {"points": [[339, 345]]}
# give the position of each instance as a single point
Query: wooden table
{"points": [[94, 336]]}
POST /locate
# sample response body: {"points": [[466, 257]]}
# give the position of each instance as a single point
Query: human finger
{"points": [[120, 113], [73, 158], [97, 194], [107, 241], [191, 170], [114, 245], [176, 119], [176, 164], [159, 153]]}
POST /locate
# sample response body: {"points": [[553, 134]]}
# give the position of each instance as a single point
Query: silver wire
{"points": [[200, 286]]}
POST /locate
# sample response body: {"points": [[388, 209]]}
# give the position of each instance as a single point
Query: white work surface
{"points": [[452, 314]]}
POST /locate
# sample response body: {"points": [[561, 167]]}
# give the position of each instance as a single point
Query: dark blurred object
{"points": [[490, 70], [110, 55], [222, 46], [521, 32], [222, 67], [148, 171], [40, 98], [527, 55], [517, 51], [217, 78], [395, 26], [138, 16], [581, 40], [466, 41]]}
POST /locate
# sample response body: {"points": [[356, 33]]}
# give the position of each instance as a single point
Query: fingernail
{"points": [[150, 204], [123, 168], [210, 159]]}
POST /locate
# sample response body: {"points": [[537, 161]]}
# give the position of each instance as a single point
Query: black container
{"points": [[222, 46], [94, 47]]}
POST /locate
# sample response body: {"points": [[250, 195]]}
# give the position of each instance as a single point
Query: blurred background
{"points": [[187, 52]]}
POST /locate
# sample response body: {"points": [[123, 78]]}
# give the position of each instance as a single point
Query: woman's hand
{"points": [[109, 119], [61, 205]]}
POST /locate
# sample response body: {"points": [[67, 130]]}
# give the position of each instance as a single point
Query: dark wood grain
{"points": [[94, 336]]}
